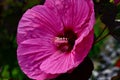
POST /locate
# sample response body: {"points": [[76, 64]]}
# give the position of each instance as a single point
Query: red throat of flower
{"points": [[65, 42]]}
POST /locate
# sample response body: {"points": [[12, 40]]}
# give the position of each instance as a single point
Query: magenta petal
{"points": [[38, 21], [73, 13], [30, 66], [86, 27], [33, 52], [82, 47], [58, 63], [33, 46]]}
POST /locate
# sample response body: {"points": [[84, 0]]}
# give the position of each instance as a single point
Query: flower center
{"points": [[65, 42]]}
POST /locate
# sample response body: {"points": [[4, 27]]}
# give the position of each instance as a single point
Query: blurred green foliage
{"points": [[98, 29]]}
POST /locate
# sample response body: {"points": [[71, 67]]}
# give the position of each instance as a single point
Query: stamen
{"points": [[59, 40]]}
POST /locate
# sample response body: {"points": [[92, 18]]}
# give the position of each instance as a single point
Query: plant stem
{"points": [[101, 33], [101, 38]]}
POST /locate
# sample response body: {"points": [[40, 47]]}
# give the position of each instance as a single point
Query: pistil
{"points": [[61, 43], [65, 42]]}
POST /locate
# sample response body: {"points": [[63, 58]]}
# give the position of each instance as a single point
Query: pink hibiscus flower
{"points": [[54, 38]]}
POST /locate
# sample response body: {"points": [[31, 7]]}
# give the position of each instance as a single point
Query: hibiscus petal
{"points": [[32, 69], [88, 24], [86, 28], [83, 46], [57, 63], [31, 46], [31, 53], [38, 18], [73, 13]]}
